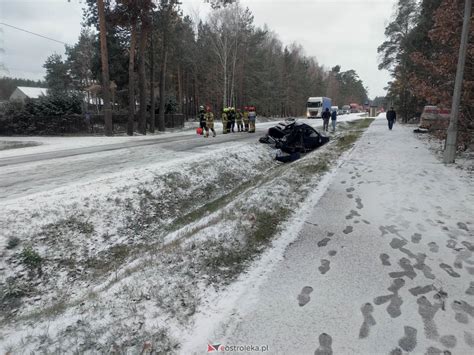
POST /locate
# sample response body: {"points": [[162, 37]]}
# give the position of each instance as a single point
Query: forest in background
{"points": [[159, 58], [421, 51]]}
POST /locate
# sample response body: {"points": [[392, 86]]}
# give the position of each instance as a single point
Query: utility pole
{"points": [[105, 69], [451, 139]]}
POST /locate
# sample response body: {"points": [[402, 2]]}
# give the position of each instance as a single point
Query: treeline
{"points": [[8, 85], [161, 59], [421, 51]]}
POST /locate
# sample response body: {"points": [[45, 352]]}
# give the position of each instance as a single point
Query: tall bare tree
{"points": [[227, 25]]}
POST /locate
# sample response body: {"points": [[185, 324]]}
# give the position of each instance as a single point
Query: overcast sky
{"points": [[344, 32]]}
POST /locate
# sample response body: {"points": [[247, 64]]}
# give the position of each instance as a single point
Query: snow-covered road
{"points": [[60, 161], [383, 264]]}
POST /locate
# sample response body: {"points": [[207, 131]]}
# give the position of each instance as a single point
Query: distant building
{"points": [[23, 92]]}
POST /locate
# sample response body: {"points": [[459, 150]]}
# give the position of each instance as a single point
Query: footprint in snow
{"points": [[470, 290], [469, 246], [415, 238], [323, 242], [408, 342], [324, 266], [420, 290], [434, 248], [449, 270], [369, 320], [394, 300], [463, 226], [427, 311], [448, 341], [353, 214], [385, 259], [325, 345], [303, 297], [435, 351], [348, 230], [350, 189], [469, 339], [451, 244]]}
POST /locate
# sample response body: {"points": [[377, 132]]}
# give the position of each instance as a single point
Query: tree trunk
{"points": [[105, 70], [142, 81], [180, 90], [131, 81], [152, 85], [225, 81], [161, 117]]}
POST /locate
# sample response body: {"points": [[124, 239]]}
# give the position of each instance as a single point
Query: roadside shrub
{"points": [[31, 258], [11, 294], [52, 114]]}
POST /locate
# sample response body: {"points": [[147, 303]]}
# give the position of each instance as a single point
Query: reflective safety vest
{"points": [[209, 117]]}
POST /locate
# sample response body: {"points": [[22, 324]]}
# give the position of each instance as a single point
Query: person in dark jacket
{"points": [[202, 119], [333, 120], [391, 117], [326, 115], [231, 119]]}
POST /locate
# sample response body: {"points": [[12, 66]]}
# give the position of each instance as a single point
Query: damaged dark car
{"points": [[293, 138]]}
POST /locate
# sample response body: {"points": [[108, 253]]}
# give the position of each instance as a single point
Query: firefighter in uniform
{"points": [[246, 118], [224, 120], [202, 119], [231, 119], [238, 118], [209, 122]]}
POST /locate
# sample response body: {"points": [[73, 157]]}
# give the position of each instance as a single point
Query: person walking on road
{"points": [[391, 117], [333, 120], [210, 122], [326, 115]]}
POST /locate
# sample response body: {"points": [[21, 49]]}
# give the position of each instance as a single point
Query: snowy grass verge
{"points": [[133, 265], [4, 145]]}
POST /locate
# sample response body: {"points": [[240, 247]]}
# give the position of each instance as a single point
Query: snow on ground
{"points": [[383, 263], [80, 230], [142, 246]]}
